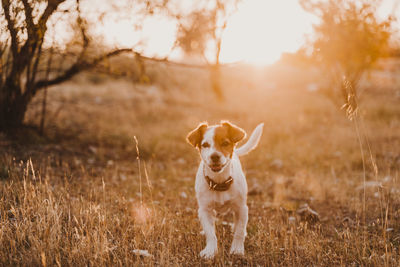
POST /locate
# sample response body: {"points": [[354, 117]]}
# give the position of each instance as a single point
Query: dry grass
{"points": [[78, 202]]}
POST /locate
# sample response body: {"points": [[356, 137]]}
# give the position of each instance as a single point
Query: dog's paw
{"points": [[208, 252], [237, 248]]}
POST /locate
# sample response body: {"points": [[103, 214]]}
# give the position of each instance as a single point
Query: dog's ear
{"points": [[235, 133], [194, 137]]}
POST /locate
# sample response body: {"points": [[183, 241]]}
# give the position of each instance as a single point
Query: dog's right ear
{"points": [[194, 137]]}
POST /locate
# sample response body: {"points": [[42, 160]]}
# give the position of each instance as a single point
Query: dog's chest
{"points": [[221, 202]]}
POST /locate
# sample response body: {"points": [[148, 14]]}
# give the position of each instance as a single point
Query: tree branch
{"points": [[82, 27], [28, 18], [76, 68], [31, 28], [11, 27], [80, 66], [51, 7]]}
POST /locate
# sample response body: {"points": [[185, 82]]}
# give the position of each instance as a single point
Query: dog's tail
{"points": [[252, 142]]}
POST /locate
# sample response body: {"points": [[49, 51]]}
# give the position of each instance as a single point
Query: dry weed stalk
{"points": [[143, 213], [352, 112]]}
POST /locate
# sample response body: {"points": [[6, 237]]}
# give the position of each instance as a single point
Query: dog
{"points": [[220, 182]]}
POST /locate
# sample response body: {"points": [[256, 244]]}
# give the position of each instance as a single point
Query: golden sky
{"points": [[258, 33]]}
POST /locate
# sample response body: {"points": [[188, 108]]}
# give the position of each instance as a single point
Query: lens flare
{"points": [[141, 213]]}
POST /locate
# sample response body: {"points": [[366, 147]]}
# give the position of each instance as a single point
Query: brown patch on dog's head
{"points": [[194, 137], [235, 133], [226, 136]]}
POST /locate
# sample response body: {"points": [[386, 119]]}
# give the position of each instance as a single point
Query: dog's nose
{"points": [[214, 157]]}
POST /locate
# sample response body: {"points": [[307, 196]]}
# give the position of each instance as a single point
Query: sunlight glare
{"points": [[262, 30], [156, 37], [258, 33]]}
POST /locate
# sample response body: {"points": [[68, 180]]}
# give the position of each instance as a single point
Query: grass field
{"points": [[80, 195]]}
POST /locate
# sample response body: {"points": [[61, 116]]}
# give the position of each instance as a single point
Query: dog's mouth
{"points": [[216, 167]]}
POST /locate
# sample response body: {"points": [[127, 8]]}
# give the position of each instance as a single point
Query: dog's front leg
{"points": [[241, 217], [207, 222]]}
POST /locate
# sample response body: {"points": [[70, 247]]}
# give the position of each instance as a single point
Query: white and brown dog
{"points": [[220, 182]]}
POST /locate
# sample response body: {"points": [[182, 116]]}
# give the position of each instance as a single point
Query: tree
{"points": [[348, 41], [201, 31], [23, 56]]}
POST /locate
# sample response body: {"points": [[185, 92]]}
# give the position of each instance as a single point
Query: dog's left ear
{"points": [[194, 137], [235, 133]]}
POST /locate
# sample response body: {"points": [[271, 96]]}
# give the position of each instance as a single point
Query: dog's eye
{"points": [[225, 143], [205, 145]]}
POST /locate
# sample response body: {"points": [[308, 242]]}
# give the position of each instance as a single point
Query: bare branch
{"points": [[51, 7], [30, 80], [11, 27], [29, 19], [76, 68], [82, 66], [82, 27]]}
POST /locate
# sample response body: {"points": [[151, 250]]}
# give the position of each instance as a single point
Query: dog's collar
{"points": [[212, 185]]}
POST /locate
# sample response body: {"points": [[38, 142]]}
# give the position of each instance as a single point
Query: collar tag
{"points": [[224, 186]]}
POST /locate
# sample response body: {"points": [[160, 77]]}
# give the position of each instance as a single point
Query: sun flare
{"points": [[257, 33], [262, 30]]}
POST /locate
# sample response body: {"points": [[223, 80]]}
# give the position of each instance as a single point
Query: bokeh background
{"points": [[96, 99]]}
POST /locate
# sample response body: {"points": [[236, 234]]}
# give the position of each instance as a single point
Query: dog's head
{"points": [[216, 143]]}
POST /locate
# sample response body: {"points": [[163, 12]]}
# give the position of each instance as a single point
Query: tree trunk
{"points": [[13, 106], [216, 81], [216, 73]]}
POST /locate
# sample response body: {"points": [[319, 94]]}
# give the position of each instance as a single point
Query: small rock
{"points": [[291, 220], [181, 161], [141, 252], [187, 179], [369, 184], [183, 195], [122, 177], [255, 190], [93, 149], [387, 179], [276, 163], [337, 154], [312, 87], [188, 210], [348, 221], [395, 191], [306, 213], [97, 100]]}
